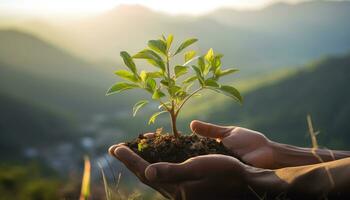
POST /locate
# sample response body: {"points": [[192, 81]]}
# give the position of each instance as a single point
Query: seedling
{"points": [[171, 84]]}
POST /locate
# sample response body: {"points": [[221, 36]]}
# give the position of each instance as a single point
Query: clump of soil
{"points": [[166, 148]]}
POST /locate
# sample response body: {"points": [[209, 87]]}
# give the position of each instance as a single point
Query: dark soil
{"points": [[166, 148]]}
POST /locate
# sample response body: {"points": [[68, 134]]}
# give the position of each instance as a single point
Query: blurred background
{"points": [[57, 60]]}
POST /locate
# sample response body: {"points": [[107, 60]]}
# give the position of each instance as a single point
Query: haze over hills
{"points": [[277, 36], [34, 70]]}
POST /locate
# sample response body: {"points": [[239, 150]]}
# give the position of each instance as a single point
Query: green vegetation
{"points": [[245, 86], [279, 109], [171, 94], [27, 183], [26, 125]]}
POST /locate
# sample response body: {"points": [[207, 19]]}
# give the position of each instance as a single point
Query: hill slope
{"points": [[32, 55], [280, 109], [26, 125], [37, 71]]}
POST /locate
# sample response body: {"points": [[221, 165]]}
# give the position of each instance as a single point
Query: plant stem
{"points": [[172, 111], [173, 124], [186, 99], [168, 66]]}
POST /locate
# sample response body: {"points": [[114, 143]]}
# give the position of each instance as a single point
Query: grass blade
{"points": [[85, 186], [105, 183]]}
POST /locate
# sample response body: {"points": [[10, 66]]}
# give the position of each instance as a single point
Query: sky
{"points": [[86, 7]]}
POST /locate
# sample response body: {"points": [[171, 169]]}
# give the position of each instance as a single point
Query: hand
{"points": [[250, 146], [137, 165], [203, 177]]}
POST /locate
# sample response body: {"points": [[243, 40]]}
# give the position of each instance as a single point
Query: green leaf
{"points": [[143, 75], [158, 46], [137, 106], [180, 95], [128, 61], [201, 63], [169, 41], [163, 38], [185, 44], [226, 72], [119, 87], [187, 87], [189, 79], [157, 94], [154, 74], [199, 74], [189, 61], [151, 84], [152, 57], [173, 89], [216, 63], [230, 92], [126, 75], [211, 83], [166, 104], [167, 82], [164, 82], [142, 145], [154, 117], [180, 70], [210, 55], [189, 55]]}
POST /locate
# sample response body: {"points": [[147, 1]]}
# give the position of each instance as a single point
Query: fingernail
{"points": [[112, 149], [117, 152], [151, 173]]}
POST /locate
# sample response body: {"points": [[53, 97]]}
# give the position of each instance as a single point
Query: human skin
{"points": [[224, 177], [255, 149]]}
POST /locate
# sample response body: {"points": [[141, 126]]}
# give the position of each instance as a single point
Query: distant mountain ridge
{"points": [[34, 70], [281, 35]]}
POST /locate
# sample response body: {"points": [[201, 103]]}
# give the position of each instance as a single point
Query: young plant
{"points": [[169, 84]]}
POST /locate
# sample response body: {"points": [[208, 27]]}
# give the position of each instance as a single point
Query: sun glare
{"points": [[83, 7]]}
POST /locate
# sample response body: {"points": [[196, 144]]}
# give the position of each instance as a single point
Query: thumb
{"points": [[210, 130]]}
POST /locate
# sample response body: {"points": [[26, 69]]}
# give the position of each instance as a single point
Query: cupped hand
{"points": [[250, 146], [137, 165], [203, 177]]}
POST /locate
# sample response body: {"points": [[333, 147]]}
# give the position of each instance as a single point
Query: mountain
{"points": [[34, 70], [303, 31], [32, 55], [279, 110], [278, 36]]}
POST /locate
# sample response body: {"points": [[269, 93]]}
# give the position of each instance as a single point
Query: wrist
{"points": [[289, 156]]}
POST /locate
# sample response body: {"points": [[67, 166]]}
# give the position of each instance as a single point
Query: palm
{"points": [[250, 146], [196, 178]]}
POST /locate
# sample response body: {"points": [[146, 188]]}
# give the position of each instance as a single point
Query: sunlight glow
{"points": [[83, 7]]}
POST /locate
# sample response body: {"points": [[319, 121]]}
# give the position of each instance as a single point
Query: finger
{"points": [[192, 169], [113, 147], [210, 130], [149, 135], [132, 161], [169, 172]]}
